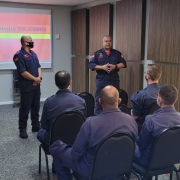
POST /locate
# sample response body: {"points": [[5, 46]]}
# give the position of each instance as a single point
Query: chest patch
{"points": [[26, 55], [100, 55]]}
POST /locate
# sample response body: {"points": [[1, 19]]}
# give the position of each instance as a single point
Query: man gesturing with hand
{"points": [[106, 62]]}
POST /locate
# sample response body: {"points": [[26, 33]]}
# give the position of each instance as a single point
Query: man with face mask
{"points": [[142, 100], [30, 77], [154, 124]]}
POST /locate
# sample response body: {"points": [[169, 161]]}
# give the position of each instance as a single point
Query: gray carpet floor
{"points": [[19, 157]]}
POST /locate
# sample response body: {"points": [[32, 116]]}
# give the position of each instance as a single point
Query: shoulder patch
{"points": [[92, 56], [17, 52], [15, 59]]}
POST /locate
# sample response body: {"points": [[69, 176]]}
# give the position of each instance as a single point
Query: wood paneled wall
{"points": [[80, 75], [170, 75], [80, 43], [164, 31], [80, 48], [131, 78], [100, 25], [130, 30]]}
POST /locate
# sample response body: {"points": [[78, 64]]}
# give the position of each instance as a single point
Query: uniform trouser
{"points": [[29, 101], [98, 107]]}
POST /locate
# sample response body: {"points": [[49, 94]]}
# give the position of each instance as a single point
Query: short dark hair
{"points": [[62, 79], [154, 71], [169, 94]]}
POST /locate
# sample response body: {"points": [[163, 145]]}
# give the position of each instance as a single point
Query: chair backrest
{"points": [[15, 80], [124, 96], [153, 107], [66, 127], [113, 156], [124, 109], [89, 99], [166, 149]]}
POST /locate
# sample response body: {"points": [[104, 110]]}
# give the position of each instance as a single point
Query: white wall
{"points": [[61, 52]]}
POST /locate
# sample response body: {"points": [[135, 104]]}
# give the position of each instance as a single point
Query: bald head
{"points": [[25, 39], [109, 97], [107, 42]]}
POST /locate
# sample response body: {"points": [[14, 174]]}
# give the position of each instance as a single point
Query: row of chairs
{"points": [[114, 155]]}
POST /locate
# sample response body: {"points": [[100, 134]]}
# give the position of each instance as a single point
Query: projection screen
{"points": [[16, 22]]}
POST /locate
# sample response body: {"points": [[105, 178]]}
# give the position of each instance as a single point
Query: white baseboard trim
{"points": [[13, 102]]}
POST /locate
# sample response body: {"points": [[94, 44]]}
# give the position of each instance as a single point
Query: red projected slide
{"points": [[14, 25]]}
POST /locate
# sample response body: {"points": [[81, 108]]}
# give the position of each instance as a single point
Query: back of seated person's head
{"points": [[62, 79], [154, 71], [109, 97], [168, 94]]}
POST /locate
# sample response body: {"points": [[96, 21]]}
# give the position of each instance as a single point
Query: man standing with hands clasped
{"points": [[106, 62], [30, 77]]}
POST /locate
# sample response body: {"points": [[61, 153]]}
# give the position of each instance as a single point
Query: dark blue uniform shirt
{"points": [[142, 100], [154, 124], [101, 58], [63, 100], [93, 130], [26, 62]]}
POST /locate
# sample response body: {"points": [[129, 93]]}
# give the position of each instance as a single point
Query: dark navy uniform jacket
{"points": [[101, 58], [93, 130], [142, 100], [26, 62], [154, 124], [63, 100]]}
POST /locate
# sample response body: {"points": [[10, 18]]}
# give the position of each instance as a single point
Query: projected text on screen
{"points": [[15, 25]]}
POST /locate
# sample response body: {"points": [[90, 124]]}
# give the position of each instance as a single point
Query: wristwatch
{"points": [[40, 78], [116, 66]]}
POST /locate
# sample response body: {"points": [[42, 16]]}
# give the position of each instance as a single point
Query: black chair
{"points": [[16, 86], [124, 109], [65, 127], [124, 96], [89, 99], [153, 107], [113, 158], [164, 154]]}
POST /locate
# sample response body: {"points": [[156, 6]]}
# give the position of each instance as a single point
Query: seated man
{"points": [[142, 100], [154, 124], [79, 157], [63, 100]]}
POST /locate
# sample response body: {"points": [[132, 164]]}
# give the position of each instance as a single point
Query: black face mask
{"points": [[31, 44]]}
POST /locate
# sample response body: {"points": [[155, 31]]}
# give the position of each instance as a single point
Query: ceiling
{"points": [[53, 2]]}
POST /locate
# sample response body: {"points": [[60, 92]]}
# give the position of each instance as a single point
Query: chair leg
{"points": [[170, 175], [40, 159], [47, 167]]}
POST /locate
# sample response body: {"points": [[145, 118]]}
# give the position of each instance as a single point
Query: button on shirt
{"points": [[101, 58]]}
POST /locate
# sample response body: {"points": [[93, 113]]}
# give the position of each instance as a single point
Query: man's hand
{"points": [[110, 67], [37, 81]]}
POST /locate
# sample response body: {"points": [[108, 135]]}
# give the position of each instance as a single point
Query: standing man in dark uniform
{"points": [[106, 62], [30, 77]]}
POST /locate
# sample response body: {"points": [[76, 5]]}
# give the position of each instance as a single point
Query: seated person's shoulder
{"points": [[49, 99], [138, 95]]}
